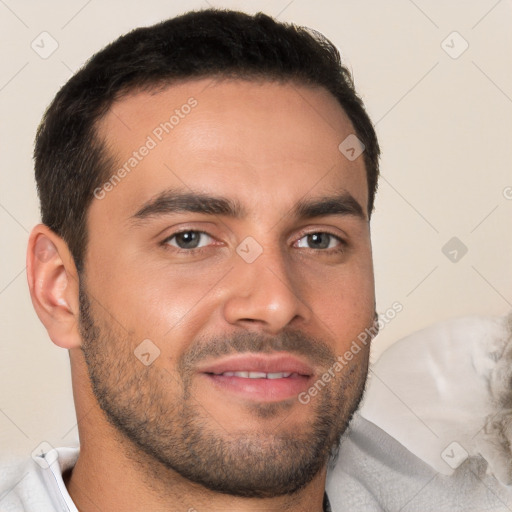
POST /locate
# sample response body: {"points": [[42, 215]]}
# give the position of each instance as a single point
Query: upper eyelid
{"points": [[187, 230], [326, 231]]}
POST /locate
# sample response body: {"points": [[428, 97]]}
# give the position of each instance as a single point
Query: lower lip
{"points": [[263, 390]]}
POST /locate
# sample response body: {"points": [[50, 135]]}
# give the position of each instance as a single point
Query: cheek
{"points": [[159, 301], [343, 301]]}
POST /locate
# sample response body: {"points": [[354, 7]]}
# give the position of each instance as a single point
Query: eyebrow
{"points": [[176, 201], [342, 204]]}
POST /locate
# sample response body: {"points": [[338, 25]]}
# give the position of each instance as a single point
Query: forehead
{"points": [[263, 143]]}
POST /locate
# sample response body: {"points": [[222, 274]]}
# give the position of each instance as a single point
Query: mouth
{"points": [[260, 377]]}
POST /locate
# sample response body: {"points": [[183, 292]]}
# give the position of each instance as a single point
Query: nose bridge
{"points": [[263, 289]]}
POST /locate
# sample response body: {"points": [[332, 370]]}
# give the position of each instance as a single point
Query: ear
{"points": [[53, 283]]}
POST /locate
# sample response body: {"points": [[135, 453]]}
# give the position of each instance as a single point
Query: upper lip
{"points": [[265, 363]]}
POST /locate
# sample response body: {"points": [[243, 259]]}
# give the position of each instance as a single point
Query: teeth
{"points": [[257, 375], [277, 375]]}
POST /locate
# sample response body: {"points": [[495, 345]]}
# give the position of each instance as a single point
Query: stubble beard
{"points": [[177, 431]]}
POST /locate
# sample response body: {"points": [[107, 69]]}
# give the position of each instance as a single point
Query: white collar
{"points": [[53, 464]]}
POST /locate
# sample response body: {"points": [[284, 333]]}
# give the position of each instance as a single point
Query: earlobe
{"points": [[53, 284]]}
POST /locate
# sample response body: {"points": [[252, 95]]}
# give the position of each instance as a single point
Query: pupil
{"points": [[319, 240], [188, 239]]}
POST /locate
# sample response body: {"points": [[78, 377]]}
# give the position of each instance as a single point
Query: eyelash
{"points": [[340, 248]]}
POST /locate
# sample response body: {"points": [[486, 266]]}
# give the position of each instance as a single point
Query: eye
{"points": [[320, 240], [189, 239]]}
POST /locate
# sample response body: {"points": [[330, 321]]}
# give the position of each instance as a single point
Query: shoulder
{"points": [[372, 469]]}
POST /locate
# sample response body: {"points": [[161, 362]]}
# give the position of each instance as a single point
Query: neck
{"points": [[105, 477]]}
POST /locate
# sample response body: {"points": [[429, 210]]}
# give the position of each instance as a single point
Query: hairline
{"points": [[111, 161]]}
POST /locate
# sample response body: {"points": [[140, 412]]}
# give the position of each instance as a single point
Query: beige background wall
{"points": [[443, 115]]}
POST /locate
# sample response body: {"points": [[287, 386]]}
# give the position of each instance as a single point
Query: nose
{"points": [[265, 295]]}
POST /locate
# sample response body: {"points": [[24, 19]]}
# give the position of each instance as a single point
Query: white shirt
{"points": [[36, 485]]}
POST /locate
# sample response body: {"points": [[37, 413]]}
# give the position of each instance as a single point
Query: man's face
{"points": [[238, 243]]}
